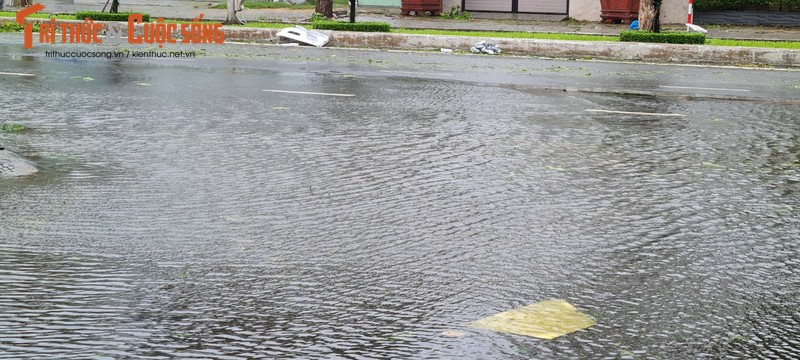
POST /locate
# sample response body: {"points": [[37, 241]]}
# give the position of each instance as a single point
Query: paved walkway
{"points": [[534, 23]]}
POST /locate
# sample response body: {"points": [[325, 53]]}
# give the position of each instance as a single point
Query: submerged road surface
{"points": [[321, 203]]}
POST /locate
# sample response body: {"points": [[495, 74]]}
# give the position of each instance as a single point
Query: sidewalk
{"points": [[531, 23]]}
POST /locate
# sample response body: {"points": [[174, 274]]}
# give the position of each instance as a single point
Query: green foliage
{"points": [[663, 37], [101, 16], [346, 26], [456, 13], [10, 27], [318, 17], [510, 34], [12, 127], [746, 4], [14, 27]]}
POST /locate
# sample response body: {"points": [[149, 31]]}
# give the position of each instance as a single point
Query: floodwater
{"points": [[180, 211]]}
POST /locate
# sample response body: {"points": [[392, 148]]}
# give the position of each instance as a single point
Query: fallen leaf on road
{"points": [[546, 320]]}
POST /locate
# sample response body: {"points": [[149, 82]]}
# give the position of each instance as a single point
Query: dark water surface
{"points": [[180, 211]]}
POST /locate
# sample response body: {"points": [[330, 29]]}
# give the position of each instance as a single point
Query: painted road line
{"points": [[15, 74], [307, 93], [631, 112], [415, 73], [700, 88]]}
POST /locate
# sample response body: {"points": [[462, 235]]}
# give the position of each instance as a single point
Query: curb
{"points": [[601, 50], [645, 52]]}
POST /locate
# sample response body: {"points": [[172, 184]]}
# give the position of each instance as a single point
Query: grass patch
{"points": [[346, 26], [12, 128], [663, 37], [509, 34], [102, 16], [310, 4], [12, 14], [751, 43], [265, 25]]}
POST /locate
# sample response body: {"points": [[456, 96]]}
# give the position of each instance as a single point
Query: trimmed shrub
{"points": [[346, 26], [663, 37], [102, 16]]}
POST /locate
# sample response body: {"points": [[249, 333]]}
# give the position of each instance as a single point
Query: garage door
{"points": [[559, 7]]}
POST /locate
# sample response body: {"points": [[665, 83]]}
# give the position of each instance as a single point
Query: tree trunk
{"points": [[114, 6], [325, 7], [21, 3], [234, 7], [649, 12]]}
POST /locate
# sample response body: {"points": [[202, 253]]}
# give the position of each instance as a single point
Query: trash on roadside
{"points": [[303, 35], [695, 28], [545, 320], [447, 51], [634, 25], [453, 333], [486, 47]]}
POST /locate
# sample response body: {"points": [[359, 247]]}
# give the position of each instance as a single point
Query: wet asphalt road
{"points": [[194, 208]]}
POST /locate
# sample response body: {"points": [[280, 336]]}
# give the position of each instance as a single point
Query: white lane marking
{"points": [[16, 74], [700, 88], [415, 73], [307, 93], [631, 112]]}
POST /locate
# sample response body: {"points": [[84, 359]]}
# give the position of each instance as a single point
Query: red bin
{"points": [[613, 11], [421, 6]]}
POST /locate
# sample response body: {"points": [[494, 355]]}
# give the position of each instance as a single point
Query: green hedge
{"points": [[663, 37], [346, 26], [102, 16]]}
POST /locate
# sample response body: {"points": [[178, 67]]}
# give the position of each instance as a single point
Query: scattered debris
{"points": [[695, 28], [303, 35], [486, 47], [447, 51], [546, 320], [453, 333], [12, 164]]}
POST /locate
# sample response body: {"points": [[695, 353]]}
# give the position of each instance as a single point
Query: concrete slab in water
{"points": [[12, 164]]}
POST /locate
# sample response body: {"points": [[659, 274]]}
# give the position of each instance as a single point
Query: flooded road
{"points": [[182, 211]]}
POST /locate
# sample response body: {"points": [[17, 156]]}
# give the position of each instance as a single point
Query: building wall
{"points": [[392, 3], [448, 4], [672, 11]]}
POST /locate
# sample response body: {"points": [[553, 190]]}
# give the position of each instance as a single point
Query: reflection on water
{"points": [[199, 218]]}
